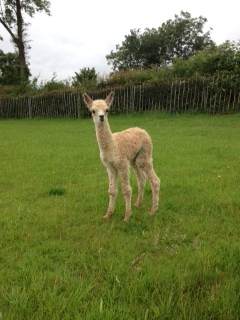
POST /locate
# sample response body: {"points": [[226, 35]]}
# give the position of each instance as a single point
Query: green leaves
{"points": [[182, 37], [9, 69], [85, 77]]}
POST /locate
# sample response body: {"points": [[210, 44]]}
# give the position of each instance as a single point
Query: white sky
{"points": [[79, 34]]}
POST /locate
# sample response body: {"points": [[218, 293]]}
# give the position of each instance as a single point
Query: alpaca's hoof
{"points": [[137, 204], [108, 214], [127, 216], [152, 212]]}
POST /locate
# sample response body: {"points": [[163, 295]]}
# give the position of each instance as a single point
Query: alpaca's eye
{"points": [[107, 111], [93, 111]]}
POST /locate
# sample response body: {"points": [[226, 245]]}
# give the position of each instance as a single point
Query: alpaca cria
{"points": [[119, 151]]}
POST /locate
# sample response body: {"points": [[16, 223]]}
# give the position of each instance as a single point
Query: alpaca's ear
{"points": [[109, 99], [87, 100]]}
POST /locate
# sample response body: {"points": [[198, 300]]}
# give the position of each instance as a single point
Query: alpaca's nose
{"points": [[101, 117]]}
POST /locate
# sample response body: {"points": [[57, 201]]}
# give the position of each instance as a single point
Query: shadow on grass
{"points": [[56, 192]]}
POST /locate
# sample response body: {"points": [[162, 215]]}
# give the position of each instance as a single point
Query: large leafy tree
{"points": [[181, 37], [13, 18]]}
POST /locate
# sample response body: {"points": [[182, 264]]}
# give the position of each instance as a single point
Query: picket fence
{"points": [[196, 95]]}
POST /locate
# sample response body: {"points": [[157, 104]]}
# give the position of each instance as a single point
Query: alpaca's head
{"points": [[98, 108]]}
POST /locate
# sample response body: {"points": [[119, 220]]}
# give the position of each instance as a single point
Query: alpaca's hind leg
{"points": [[141, 179], [126, 190], [112, 191], [147, 167], [155, 186]]}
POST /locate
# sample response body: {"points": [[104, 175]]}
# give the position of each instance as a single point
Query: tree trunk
{"points": [[19, 41]]}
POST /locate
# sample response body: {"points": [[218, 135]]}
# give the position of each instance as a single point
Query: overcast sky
{"points": [[79, 34]]}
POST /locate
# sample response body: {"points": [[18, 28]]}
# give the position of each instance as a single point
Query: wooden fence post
{"points": [[29, 107], [78, 105]]}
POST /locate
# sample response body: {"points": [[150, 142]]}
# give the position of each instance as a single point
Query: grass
{"points": [[60, 260]]}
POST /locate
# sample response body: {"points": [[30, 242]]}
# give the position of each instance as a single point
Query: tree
{"points": [[9, 69], [85, 77], [181, 37], [184, 36], [127, 56], [152, 48], [13, 20]]}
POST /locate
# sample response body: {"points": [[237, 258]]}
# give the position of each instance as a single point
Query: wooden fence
{"points": [[196, 95]]}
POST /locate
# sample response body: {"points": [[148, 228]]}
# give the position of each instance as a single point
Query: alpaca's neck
{"points": [[104, 136]]}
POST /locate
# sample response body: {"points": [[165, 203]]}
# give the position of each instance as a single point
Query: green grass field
{"points": [[60, 260]]}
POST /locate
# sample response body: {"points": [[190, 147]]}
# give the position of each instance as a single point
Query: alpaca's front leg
{"points": [[112, 191]]}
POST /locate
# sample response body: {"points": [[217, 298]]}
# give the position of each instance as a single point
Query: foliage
{"points": [[177, 49], [12, 19], [60, 260], [9, 69], [216, 59], [127, 56], [135, 77], [222, 61], [53, 85], [182, 37], [86, 77]]}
